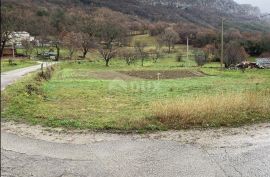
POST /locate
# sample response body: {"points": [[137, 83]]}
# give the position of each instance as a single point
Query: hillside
{"points": [[205, 13]]}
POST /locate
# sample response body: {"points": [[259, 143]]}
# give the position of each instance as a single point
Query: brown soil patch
{"points": [[148, 74], [163, 74], [111, 75]]}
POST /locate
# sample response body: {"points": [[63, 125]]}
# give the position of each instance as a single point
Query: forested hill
{"points": [[204, 13]]}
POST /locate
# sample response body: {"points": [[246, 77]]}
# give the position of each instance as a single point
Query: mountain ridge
{"points": [[205, 13]]}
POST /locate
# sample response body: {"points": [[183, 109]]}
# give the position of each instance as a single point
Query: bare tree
{"points": [[28, 48], [140, 50], [157, 28], [210, 51], [88, 29], [129, 55], [200, 58], [56, 42], [234, 54], [87, 42], [169, 37], [110, 33], [107, 54], [155, 53], [8, 25], [72, 41]]}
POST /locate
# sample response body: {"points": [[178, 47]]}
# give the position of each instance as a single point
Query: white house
{"points": [[263, 62], [19, 36]]}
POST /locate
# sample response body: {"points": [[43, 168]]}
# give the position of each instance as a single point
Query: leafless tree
{"points": [[8, 25], [28, 48], [129, 55], [110, 33], [72, 42], [169, 37], [87, 28], [140, 50], [155, 53], [211, 52], [87, 42], [200, 58], [234, 54]]}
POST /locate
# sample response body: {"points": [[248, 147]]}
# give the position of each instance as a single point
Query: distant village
{"points": [[18, 37], [21, 40], [16, 41]]}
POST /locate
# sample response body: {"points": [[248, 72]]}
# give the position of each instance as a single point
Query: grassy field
{"points": [[17, 64], [88, 95]]}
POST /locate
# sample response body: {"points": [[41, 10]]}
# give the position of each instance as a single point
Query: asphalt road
{"points": [[9, 77], [246, 154]]}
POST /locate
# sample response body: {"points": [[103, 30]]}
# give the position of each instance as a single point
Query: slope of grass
{"points": [[74, 99]]}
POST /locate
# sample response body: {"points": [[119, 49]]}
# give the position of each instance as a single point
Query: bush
{"points": [[234, 54], [32, 89], [179, 57], [45, 75], [200, 59], [128, 55]]}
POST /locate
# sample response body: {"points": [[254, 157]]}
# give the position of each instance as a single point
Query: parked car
{"points": [[48, 55]]}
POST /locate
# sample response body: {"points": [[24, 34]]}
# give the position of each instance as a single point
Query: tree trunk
{"points": [[37, 51], [107, 62], [57, 53], [2, 48], [85, 50], [142, 61], [169, 48]]}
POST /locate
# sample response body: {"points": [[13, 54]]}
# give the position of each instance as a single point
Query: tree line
{"points": [[107, 31]]}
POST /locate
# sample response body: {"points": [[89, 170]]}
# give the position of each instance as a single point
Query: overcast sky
{"points": [[264, 5]]}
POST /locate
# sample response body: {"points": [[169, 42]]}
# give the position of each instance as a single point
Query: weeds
{"points": [[45, 75], [213, 111]]}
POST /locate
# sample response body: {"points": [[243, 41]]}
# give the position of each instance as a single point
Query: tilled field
{"points": [[163, 74]]}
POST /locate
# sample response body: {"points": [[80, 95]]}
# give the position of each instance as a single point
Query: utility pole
{"points": [[187, 48], [13, 53], [222, 44]]}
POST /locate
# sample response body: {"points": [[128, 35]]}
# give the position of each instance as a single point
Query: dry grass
{"points": [[213, 111]]}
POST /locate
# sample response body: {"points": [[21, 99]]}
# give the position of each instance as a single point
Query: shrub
{"points": [[46, 75], [200, 58], [128, 55], [234, 54], [179, 57], [32, 89]]}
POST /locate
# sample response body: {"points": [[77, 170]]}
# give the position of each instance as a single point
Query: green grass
{"points": [[74, 99], [17, 64]]}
